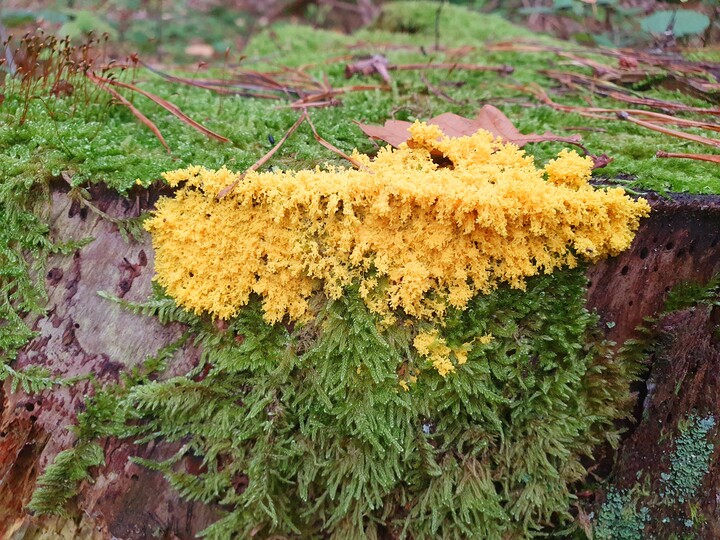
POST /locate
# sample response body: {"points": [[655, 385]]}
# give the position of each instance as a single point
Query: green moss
{"points": [[306, 432], [317, 430], [689, 294], [457, 25], [97, 142], [61, 480]]}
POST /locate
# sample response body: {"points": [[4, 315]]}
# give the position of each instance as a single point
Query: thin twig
{"points": [[332, 147], [170, 107], [667, 131], [259, 163], [604, 114], [451, 66], [140, 116], [698, 157], [439, 93]]}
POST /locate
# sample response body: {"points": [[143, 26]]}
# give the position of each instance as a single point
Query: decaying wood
{"points": [[684, 380], [680, 241], [82, 332]]}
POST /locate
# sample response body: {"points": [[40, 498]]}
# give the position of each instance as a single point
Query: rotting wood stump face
{"points": [[126, 500], [684, 382], [679, 242]]}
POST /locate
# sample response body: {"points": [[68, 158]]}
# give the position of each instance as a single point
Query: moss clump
{"points": [[353, 420], [308, 433]]}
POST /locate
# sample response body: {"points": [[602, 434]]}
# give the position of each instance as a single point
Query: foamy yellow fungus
{"points": [[487, 338], [414, 236], [431, 346]]}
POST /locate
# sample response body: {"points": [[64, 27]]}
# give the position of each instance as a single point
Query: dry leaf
{"points": [[200, 49], [603, 160], [491, 119], [375, 64]]}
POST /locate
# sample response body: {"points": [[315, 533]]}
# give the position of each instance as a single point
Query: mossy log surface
{"points": [[83, 333], [684, 382]]}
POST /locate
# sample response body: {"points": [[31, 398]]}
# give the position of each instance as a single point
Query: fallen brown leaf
{"points": [[603, 160], [491, 119], [368, 66]]}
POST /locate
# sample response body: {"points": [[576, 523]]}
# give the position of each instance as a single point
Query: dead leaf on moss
{"points": [[603, 160], [368, 66], [491, 119], [200, 49], [380, 65]]}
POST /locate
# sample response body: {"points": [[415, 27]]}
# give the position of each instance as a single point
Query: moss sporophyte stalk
{"points": [[415, 237]]}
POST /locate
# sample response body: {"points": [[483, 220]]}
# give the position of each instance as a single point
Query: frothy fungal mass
{"points": [[415, 236]]}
